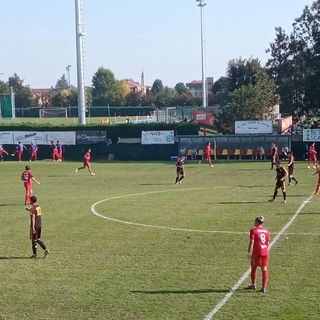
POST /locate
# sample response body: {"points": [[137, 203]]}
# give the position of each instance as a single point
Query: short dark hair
{"points": [[33, 199], [260, 219], [27, 167]]}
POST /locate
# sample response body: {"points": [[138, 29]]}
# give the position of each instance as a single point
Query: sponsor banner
{"points": [[203, 117], [26, 137], [252, 127], [6, 137], [311, 135], [90, 137], [65, 137], [285, 124], [157, 137]]}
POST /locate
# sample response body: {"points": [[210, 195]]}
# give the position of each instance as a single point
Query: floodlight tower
{"points": [[201, 4], [80, 65], [68, 69]]}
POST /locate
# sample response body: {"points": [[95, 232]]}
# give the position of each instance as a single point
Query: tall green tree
{"points": [[62, 83], [295, 63], [252, 93], [23, 96], [104, 87]]}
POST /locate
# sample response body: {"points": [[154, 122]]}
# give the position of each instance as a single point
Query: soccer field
{"points": [[128, 243]]}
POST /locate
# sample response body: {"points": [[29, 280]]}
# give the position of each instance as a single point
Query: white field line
{"points": [[95, 212], [210, 315]]}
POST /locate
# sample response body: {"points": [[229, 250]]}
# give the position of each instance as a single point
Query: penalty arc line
{"points": [[246, 274]]}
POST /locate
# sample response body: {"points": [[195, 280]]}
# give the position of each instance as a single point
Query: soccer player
{"points": [[194, 153], [2, 151], [180, 169], [20, 147], [86, 162], [207, 154], [35, 227], [281, 174], [312, 158], [274, 154], [54, 151], [318, 184], [258, 253], [33, 151], [291, 160], [27, 178], [59, 151]]}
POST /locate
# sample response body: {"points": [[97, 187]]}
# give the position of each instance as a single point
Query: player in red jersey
{"points": [[20, 147], [312, 158], [27, 178], [318, 184], [2, 151], [180, 169], [54, 151], [207, 154], [86, 162], [291, 160], [33, 151], [258, 253], [59, 151]]}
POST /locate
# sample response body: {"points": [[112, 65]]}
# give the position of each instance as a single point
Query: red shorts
{"points": [[260, 261], [208, 156], [86, 164]]}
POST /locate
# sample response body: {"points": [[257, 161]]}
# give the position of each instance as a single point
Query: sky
{"points": [[162, 38]]}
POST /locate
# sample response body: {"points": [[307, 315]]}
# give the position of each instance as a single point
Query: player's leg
{"points": [[34, 245], [284, 194], [253, 273], [275, 193]]}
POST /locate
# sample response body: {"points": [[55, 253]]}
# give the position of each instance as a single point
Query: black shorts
{"points": [[279, 183], [37, 235], [290, 170], [180, 171]]}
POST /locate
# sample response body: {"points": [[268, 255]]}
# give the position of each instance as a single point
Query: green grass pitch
{"points": [[156, 250]]}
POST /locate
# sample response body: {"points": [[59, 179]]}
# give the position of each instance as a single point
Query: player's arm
{"points": [[33, 221], [250, 248], [35, 180]]}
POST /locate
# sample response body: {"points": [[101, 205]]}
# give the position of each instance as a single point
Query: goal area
{"points": [[53, 113]]}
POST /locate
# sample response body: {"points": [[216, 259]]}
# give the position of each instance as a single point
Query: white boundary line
{"points": [[246, 274], [93, 210]]}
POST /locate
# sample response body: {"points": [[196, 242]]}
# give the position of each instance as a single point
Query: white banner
{"points": [[6, 137], [65, 137], [26, 137], [311, 135], [252, 127], [157, 137]]}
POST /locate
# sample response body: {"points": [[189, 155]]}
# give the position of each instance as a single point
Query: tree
{"points": [[104, 87], [220, 92], [181, 88], [157, 87], [295, 64], [4, 88], [23, 96], [62, 99], [121, 93], [252, 93], [62, 83]]}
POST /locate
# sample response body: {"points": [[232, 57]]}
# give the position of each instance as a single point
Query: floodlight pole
{"points": [[201, 4], [80, 66], [68, 69]]}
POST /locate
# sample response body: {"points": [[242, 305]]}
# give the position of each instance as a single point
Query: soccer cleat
{"points": [[251, 287], [33, 256], [76, 170], [92, 174], [271, 200], [296, 182], [284, 201], [179, 181], [12, 155], [308, 167], [212, 166], [289, 184], [46, 252], [263, 290], [314, 167]]}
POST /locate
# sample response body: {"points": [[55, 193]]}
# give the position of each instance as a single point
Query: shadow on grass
{"points": [[9, 205], [182, 291], [14, 258], [239, 202], [156, 184]]}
